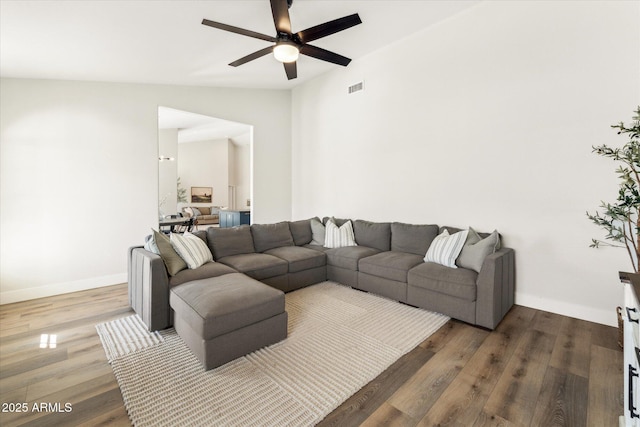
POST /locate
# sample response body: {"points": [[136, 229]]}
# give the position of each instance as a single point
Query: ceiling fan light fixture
{"points": [[286, 52], [288, 45]]}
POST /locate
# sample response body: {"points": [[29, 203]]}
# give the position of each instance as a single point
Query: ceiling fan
{"points": [[289, 45]]}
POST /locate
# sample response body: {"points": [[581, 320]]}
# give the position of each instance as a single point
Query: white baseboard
{"points": [[590, 314], [18, 295]]}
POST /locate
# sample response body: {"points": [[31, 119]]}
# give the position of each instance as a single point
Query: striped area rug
{"points": [[123, 336], [339, 340]]}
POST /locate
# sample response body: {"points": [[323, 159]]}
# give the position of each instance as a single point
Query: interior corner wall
{"points": [[486, 120], [79, 174]]}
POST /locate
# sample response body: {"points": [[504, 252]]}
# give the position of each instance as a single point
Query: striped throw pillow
{"points": [[151, 245], [338, 237], [445, 248], [192, 249]]}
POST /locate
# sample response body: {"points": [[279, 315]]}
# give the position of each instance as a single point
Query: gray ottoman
{"points": [[226, 317]]}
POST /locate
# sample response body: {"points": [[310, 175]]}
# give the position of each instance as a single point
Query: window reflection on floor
{"points": [[48, 340]]}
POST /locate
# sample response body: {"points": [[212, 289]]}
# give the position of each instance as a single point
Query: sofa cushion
{"points": [[348, 256], [204, 210], [210, 269], [476, 249], [299, 258], [373, 234], [201, 234], [446, 247], [225, 242], [223, 304], [207, 219], [317, 232], [339, 236], [319, 248], [390, 265], [269, 236], [258, 266], [301, 232], [192, 249], [412, 238], [172, 260], [455, 282]]}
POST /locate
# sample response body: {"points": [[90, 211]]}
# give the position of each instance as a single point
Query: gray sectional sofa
{"points": [[388, 260]]}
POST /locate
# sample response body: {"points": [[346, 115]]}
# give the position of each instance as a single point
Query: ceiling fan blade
{"points": [[238, 30], [291, 69], [280, 11], [325, 55], [251, 57], [328, 28]]}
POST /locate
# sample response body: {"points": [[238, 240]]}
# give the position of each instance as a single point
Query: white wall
{"points": [[488, 120], [242, 176], [168, 172], [79, 174], [205, 164], [231, 177]]}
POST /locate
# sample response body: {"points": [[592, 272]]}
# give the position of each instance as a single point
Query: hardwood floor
{"points": [[535, 369]]}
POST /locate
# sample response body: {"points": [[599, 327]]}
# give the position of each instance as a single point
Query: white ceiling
{"points": [[196, 127], [164, 42]]}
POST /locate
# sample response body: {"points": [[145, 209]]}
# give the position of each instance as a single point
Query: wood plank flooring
{"points": [[536, 369]]}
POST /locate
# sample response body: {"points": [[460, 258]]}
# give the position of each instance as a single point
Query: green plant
{"points": [[620, 219], [181, 192]]}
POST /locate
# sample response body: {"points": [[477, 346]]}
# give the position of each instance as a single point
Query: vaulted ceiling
{"points": [[164, 42]]}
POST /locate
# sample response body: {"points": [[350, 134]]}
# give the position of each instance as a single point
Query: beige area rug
{"points": [[339, 340]]}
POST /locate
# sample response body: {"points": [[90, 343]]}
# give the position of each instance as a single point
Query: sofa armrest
{"points": [[495, 292], [149, 288]]}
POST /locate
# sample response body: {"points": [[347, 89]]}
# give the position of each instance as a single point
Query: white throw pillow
{"points": [[445, 248], [151, 245], [338, 237], [192, 249]]}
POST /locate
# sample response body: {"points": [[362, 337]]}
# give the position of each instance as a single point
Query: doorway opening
{"points": [[205, 163]]}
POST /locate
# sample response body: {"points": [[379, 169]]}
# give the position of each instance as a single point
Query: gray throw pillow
{"points": [[476, 249], [317, 232], [172, 260]]}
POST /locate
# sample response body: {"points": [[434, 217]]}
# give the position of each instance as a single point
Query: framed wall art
{"points": [[201, 194]]}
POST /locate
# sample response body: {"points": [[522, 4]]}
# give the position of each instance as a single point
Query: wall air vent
{"points": [[356, 87]]}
